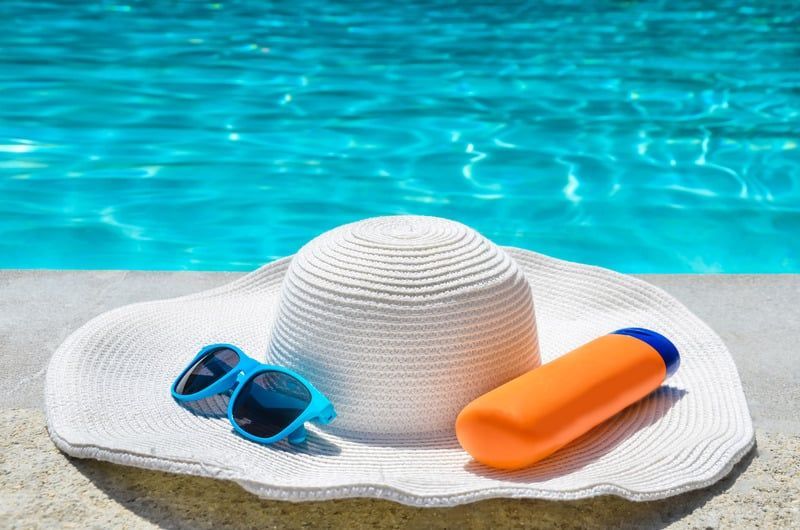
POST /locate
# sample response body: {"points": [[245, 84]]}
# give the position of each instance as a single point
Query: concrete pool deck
{"points": [[758, 317]]}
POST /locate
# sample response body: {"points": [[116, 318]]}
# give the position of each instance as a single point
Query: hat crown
{"points": [[401, 321]]}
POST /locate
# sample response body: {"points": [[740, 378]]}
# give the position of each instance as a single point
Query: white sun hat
{"points": [[400, 321]]}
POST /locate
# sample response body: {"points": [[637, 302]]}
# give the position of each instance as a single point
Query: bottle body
{"points": [[534, 415]]}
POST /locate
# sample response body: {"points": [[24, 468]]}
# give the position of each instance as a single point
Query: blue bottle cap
{"points": [[660, 343]]}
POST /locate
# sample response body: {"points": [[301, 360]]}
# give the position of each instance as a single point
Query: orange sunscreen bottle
{"points": [[530, 417]]}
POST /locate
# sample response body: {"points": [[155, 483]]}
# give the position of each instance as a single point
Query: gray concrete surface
{"points": [[757, 316]]}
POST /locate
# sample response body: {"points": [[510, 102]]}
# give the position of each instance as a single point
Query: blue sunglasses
{"points": [[269, 403]]}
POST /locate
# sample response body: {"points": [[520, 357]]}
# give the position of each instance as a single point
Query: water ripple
{"points": [[641, 136]]}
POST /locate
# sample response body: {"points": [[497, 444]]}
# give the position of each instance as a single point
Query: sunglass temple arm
{"points": [[298, 436]]}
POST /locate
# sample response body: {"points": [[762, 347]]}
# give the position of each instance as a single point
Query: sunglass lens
{"points": [[269, 402], [207, 370]]}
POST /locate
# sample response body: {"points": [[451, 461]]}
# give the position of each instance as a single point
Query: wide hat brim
{"points": [[107, 397]]}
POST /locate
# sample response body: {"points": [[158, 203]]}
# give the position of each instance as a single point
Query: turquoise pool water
{"points": [[642, 136]]}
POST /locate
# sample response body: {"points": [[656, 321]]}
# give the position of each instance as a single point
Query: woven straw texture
{"points": [[400, 321]]}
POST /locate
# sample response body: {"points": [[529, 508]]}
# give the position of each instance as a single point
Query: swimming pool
{"points": [[645, 137]]}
